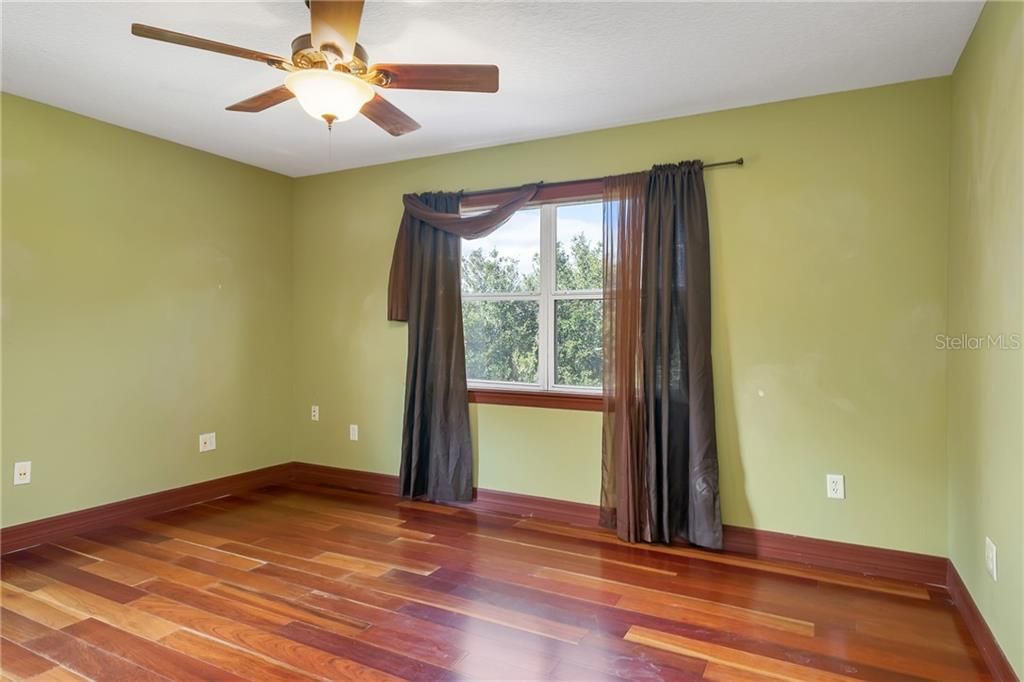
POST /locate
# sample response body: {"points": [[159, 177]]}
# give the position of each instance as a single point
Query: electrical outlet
{"points": [[991, 563], [22, 473], [314, 414], [353, 432], [207, 442], [835, 486]]}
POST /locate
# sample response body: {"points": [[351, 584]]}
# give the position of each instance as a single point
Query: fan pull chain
{"points": [[330, 147]]}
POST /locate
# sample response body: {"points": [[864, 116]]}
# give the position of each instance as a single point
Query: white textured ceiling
{"points": [[565, 67]]}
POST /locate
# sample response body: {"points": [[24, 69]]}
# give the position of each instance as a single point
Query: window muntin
{"points": [[532, 309]]}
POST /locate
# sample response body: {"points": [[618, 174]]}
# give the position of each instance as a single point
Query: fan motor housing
{"points": [[305, 56]]}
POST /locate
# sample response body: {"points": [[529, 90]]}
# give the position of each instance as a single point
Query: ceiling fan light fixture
{"points": [[329, 95]]}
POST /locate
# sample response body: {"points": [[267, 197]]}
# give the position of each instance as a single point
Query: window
{"points": [[532, 303]]}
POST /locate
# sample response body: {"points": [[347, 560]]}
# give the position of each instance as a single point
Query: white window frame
{"points": [[546, 298]]}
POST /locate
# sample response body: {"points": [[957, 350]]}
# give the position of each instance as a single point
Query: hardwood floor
{"points": [[320, 583]]}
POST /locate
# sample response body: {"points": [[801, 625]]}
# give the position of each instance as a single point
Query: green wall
{"points": [[985, 297], [829, 285], [146, 299]]}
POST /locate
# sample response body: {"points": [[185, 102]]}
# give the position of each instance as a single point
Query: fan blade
{"points": [[388, 116], [264, 100], [460, 77], [166, 36], [335, 24]]}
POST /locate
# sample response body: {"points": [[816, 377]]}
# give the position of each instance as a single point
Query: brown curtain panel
{"points": [[661, 473], [425, 290], [625, 204]]}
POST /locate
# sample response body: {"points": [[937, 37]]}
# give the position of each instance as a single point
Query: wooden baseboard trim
{"points": [[575, 513], [860, 559], [842, 556], [350, 479], [997, 662], [13, 538], [483, 500]]}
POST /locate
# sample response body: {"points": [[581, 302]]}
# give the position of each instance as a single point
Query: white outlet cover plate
{"points": [[353, 432], [991, 560], [314, 413], [207, 442], [22, 473], [835, 486]]}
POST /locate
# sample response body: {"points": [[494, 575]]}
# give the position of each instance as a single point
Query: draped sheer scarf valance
{"points": [[465, 227]]}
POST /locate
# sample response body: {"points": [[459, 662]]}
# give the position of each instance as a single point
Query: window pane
{"points": [[578, 257], [505, 261], [578, 342], [501, 340]]}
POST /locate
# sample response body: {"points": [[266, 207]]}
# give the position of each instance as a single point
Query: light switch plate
{"points": [[314, 413], [353, 432], [22, 473], [207, 442]]}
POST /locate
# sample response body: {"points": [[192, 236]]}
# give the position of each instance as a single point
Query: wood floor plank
{"points": [[354, 593], [482, 666], [28, 605], [264, 642], [508, 570], [254, 581], [18, 628], [73, 576], [267, 556], [126, 575], [232, 659], [146, 654], [733, 658], [481, 610], [667, 605], [718, 672], [222, 555], [355, 564], [89, 661], [179, 533], [212, 603], [21, 577], [19, 662], [58, 675], [337, 623], [61, 555], [89, 605], [333, 549], [349, 519], [632, 661], [347, 648], [413, 642], [155, 567]]}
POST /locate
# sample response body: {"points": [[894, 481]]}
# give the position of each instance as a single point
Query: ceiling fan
{"points": [[329, 72]]}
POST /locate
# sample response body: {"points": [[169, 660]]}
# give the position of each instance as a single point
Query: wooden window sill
{"points": [[559, 401]]}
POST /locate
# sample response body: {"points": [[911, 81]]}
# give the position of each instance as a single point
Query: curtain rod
{"points": [[734, 162]]}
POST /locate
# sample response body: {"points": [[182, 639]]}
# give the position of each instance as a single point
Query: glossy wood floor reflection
{"points": [[321, 583]]}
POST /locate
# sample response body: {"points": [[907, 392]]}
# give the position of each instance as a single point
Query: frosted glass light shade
{"points": [[328, 95]]}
